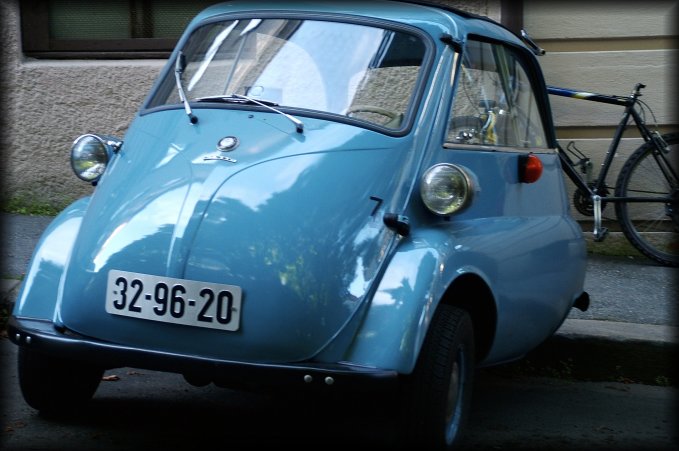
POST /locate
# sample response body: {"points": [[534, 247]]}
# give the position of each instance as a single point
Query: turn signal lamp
{"points": [[530, 168]]}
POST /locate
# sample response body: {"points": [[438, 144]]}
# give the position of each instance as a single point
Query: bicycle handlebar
{"points": [[637, 89]]}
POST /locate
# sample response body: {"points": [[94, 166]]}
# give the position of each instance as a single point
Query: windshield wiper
{"points": [[238, 98], [179, 66], [234, 99]]}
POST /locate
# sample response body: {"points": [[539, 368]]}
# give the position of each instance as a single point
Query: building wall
{"points": [[606, 47], [52, 102], [48, 103]]}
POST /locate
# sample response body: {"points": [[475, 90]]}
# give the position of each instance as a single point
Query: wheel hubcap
{"points": [[453, 401]]}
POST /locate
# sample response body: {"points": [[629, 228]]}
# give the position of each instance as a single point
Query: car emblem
{"points": [[227, 143], [219, 158]]}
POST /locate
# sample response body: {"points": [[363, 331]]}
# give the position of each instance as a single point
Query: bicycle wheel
{"points": [[651, 227]]}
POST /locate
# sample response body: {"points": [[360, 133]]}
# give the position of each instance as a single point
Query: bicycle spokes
{"points": [[649, 212]]}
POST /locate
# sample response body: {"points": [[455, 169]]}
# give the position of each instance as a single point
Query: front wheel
{"points": [[651, 226], [54, 385], [436, 396]]}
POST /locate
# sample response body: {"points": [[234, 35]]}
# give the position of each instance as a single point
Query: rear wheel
{"points": [[53, 385], [652, 227], [437, 395]]}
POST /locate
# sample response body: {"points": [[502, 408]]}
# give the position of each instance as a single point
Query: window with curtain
{"points": [[109, 29]]}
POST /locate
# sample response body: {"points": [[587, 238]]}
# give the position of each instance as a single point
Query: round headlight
{"points": [[89, 156], [445, 189]]}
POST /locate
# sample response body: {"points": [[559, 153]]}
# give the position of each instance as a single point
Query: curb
{"points": [[595, 350], [7, 288], [619, 331], [614, 244]]}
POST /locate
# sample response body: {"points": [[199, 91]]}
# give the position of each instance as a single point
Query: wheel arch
{"points": [[471, 293], [412, 289]]}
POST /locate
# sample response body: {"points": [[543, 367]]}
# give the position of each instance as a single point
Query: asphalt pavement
{"points": [[629, 332]]}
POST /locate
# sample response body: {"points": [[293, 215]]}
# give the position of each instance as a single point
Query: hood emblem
{"points": [[227, 143], [219, 158]]}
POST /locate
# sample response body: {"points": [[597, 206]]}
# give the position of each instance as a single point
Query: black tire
{"points": [[55, 386], [437, 395], [653, 228]]}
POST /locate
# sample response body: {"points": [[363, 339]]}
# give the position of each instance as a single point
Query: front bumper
{"points": [[43, 336]]}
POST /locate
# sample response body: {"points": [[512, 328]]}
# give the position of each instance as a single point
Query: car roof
{"points": [[458, 23], [459, 12]]}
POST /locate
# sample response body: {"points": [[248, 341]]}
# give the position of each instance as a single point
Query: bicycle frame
{"points": [[597, 192]]}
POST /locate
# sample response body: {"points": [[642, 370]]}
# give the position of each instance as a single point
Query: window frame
{"points": [[538, 88], [36, 41], [166, 80]]}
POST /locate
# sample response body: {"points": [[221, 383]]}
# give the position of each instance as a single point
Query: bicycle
{"points": [[646, 192], [647, 188]]}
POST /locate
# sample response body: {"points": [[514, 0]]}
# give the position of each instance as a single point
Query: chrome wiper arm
{"points": [[179, 66], [299, 126]]}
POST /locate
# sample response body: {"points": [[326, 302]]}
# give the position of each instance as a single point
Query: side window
{"points": [[494, 104]]}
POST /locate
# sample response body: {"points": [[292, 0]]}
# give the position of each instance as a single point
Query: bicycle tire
{"points": [[651, 227]]}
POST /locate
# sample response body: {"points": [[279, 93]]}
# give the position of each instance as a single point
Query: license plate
{"points": [[177, 301]]}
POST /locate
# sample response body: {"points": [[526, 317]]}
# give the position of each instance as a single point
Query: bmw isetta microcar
{"points": [[330, 196]]}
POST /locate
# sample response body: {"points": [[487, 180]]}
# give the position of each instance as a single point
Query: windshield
{"points": [[363, 72]]}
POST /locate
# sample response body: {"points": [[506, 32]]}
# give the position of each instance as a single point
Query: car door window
{"points": [[495, 102]]}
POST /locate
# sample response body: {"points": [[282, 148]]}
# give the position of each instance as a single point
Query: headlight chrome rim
{"points": [[445, 189], [90, 155]]}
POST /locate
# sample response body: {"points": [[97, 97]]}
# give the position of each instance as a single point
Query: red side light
{"points": [[530, 168]]}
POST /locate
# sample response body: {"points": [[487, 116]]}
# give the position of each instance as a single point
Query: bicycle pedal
{"points": [[600, 235]]}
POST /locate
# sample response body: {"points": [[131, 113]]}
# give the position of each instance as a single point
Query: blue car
{"points": [[316, 196]]}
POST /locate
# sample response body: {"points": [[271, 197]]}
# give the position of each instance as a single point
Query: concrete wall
{"points": [[48, 103]]}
